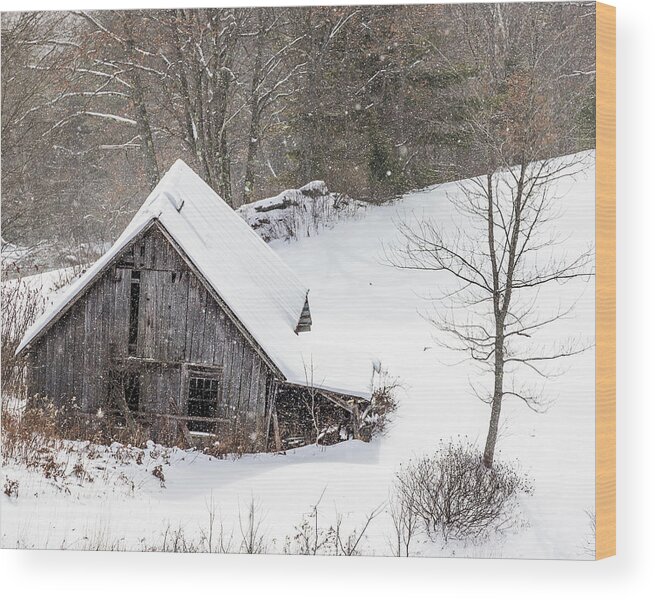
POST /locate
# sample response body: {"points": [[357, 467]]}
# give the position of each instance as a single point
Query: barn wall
{"points": [[180, 324]]}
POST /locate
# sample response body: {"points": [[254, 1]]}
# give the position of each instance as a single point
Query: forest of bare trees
{"points": [[374, 100]]}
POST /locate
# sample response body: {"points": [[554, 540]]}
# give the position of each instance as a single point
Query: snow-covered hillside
{"points": [[378, 311]]}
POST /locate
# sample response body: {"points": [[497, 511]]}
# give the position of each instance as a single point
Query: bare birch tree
{"points": [[502, 249]]}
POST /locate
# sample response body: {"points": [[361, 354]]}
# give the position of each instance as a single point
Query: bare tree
{"points": [[502, 249], [277, 65], [119, 77], [37, 51], [202, 49]]}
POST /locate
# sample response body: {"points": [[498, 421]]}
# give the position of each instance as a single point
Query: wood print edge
{"points": [[605, 280]]}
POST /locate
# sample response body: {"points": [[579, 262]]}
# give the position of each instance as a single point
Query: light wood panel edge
{"points": [[605, 280]]}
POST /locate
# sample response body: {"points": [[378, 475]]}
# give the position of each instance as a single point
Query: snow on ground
{"points": [[358, 297], [48, 282]]}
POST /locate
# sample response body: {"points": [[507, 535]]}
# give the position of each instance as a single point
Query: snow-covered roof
{"points": [[263, 293]]}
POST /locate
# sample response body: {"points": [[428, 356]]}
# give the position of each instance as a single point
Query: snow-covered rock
{"points": [[294, 214]]}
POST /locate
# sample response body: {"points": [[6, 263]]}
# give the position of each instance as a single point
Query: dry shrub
{"points": [[80, 471], [158, 472], [67, 422], [405, 525], [309, 218], [383, 407], [232, 442], [384, 403], [456, 496], [311, 538], [39, 439], [66, 464], [110, 432], [11, 488], [25, 434], [10, 432], [21, 305], [173, 540], [31, 439]]}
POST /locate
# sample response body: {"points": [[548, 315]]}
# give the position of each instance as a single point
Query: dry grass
{"points": [[33, 441]]}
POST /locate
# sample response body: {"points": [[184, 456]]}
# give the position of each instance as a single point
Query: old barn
{"points": [[187, 326]]}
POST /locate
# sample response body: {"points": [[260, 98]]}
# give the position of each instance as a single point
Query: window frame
{"points": [[211, 406]]}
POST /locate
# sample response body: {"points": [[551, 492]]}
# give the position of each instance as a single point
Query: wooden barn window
{"points": [[135, 293], [203, 403]]}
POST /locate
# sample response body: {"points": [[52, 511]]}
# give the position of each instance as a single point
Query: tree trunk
{"points": [[143, 125], [140, 111], [225, 170], [253, 141], [497, 400], [500, 313], [253, 132], [307, 163]]}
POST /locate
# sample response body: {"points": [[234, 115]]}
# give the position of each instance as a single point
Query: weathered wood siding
{"points": [[180, 324]]}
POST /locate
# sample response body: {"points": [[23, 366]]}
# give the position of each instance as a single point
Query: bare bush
{"points": [[311, 538], [173, 540], [348, 544], [33, 441], [21, 305], [158, 472], [405, 525], [384, 402], [25, 435], [456, 496], [232, 443], [322, 213], [43, 419]]}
